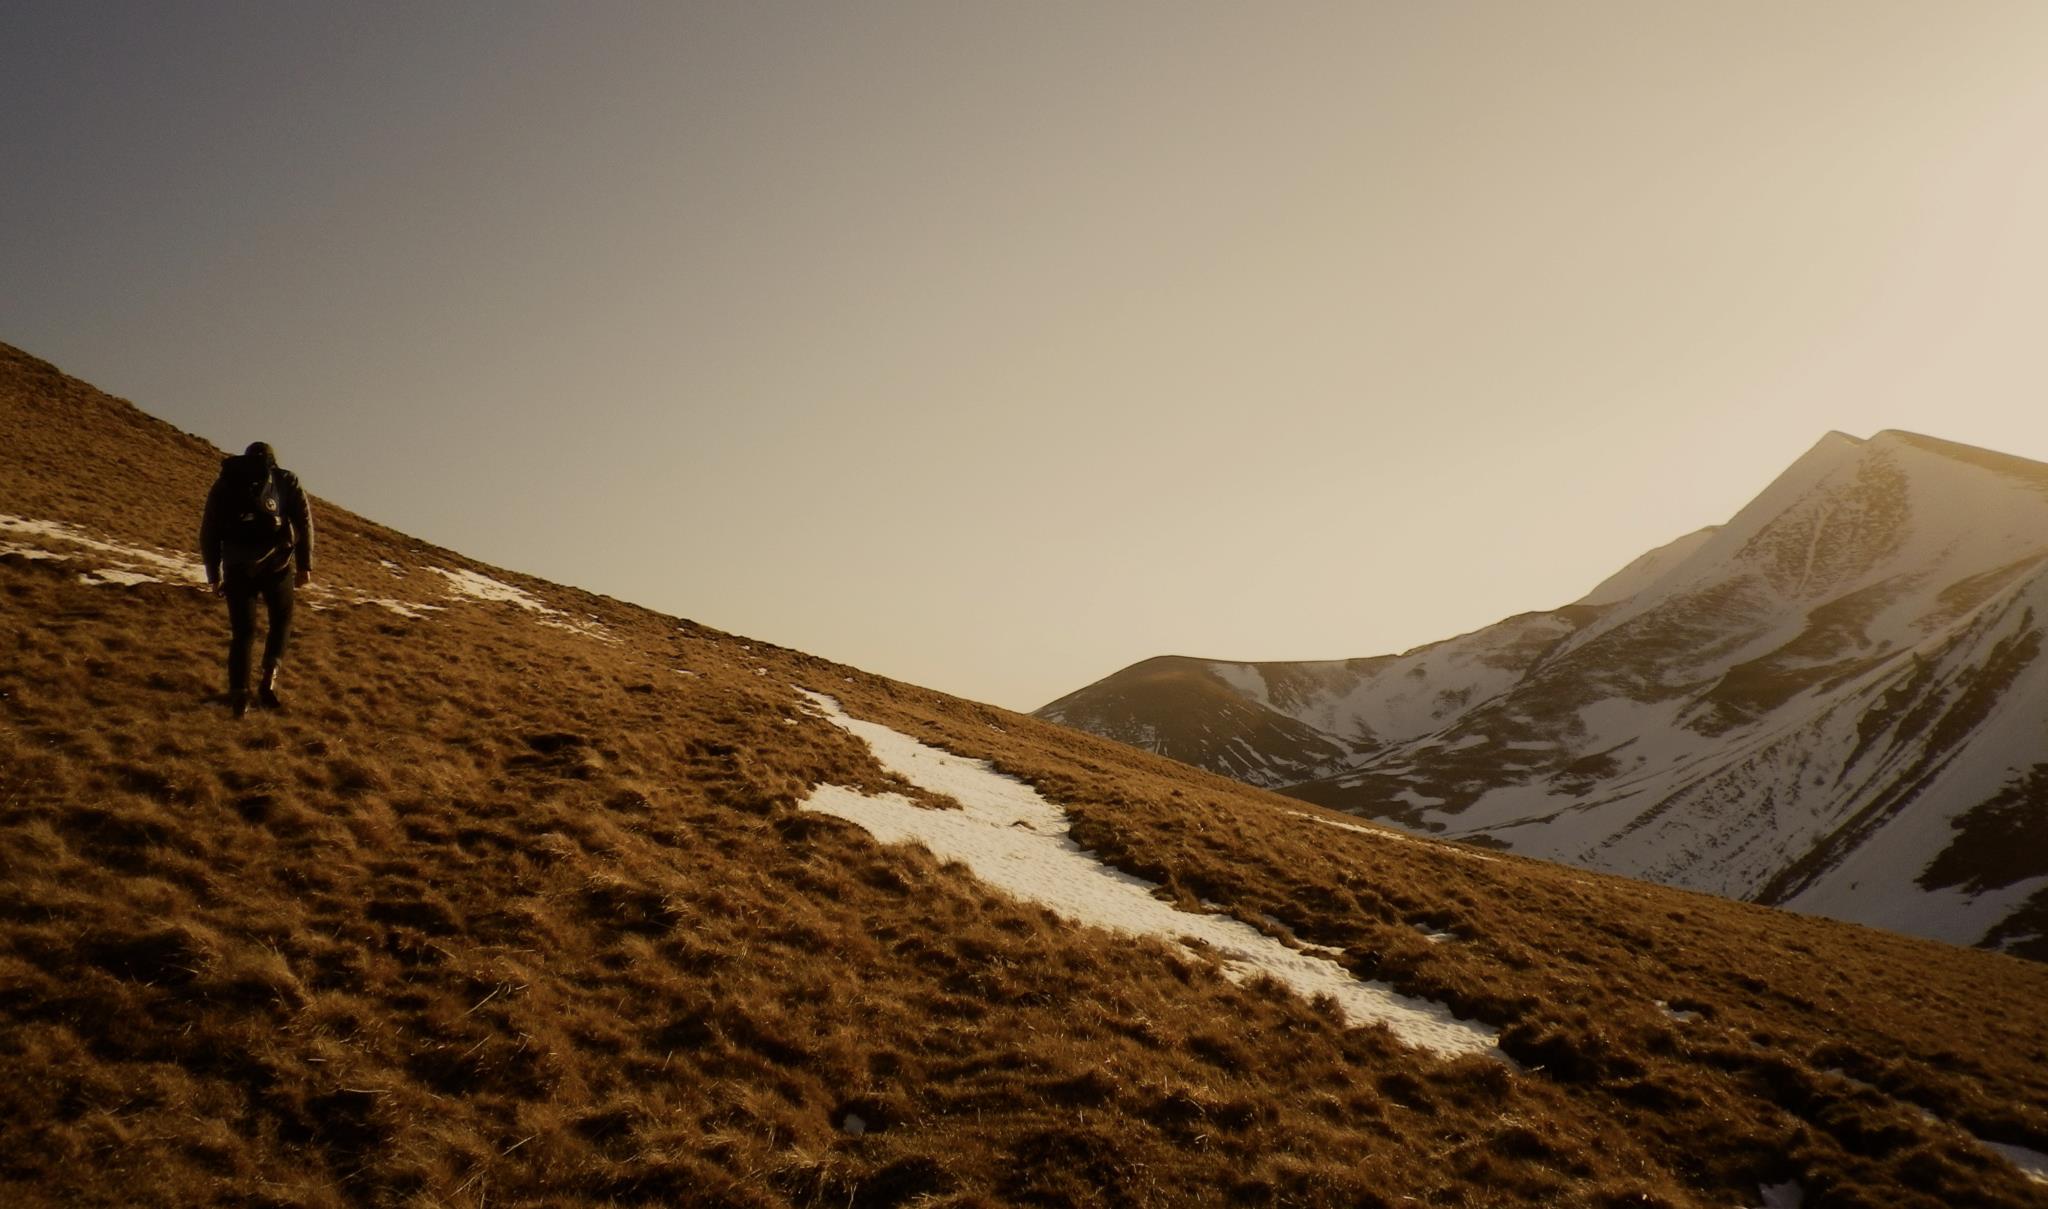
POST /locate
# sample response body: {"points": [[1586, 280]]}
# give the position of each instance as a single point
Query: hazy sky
{"points": [[996, 346]]}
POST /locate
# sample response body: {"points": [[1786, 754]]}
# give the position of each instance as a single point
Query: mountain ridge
{"points": [[1661, 701]]}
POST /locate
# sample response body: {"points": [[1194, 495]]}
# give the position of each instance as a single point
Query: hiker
{"points": [[257, 540]]}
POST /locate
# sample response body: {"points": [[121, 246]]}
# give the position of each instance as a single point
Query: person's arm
{"points": [[302, 530], [209, 536]]}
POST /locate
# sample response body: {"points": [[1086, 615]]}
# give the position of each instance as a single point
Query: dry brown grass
{"points": [[498, 913], [1820, 1049]]}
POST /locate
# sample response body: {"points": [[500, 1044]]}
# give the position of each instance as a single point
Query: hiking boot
{"points": [[266, 692], [238, 703]]}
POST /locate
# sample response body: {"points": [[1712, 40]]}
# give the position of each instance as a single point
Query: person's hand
{"points": [[217, 587], [303, 578]]}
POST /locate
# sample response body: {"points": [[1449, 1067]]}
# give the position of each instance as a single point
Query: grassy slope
{"points": [[500, 912]]}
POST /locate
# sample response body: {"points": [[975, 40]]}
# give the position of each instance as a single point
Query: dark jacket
{"points": [[291, 501]]}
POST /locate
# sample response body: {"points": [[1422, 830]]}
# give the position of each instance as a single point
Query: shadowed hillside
{"points": [[1191, 716], [521, 901]]}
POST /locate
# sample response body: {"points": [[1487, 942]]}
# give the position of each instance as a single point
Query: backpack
{"points": [[254, 532]]}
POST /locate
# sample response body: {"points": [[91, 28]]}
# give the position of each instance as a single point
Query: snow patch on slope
{"points": [[404, 608], [130, 562], [1388, 833], [134, 565], [1017, 841], [2032, 1163], [483, 587], [115, 577], [477, 586], [1246, 679]]}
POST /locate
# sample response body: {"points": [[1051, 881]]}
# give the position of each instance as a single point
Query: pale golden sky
{"points": [[996, 346]]}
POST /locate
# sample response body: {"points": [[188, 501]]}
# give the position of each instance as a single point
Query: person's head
{"points": [[261, 449]]}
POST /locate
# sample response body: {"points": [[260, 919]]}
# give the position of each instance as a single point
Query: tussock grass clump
{"points": [[500, 912]]}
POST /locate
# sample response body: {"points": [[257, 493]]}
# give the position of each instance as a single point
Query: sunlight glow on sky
{"points": [[995, 347]]}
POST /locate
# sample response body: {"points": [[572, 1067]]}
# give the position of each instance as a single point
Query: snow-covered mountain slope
{"points": [[1274, 724], [1834, 702], [1183, 709]]}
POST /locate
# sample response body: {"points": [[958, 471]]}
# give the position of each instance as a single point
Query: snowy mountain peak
{"points": [[1829, 701]]}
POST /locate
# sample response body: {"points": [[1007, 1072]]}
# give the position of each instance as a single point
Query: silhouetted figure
{"points": [[257, 541]]}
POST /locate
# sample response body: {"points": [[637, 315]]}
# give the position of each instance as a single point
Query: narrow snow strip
{"points": [[131, 558], [1017, 841], [589, 629], [483, 587], [404, 608], [1388, 833], [30, 552], [117, 577]]}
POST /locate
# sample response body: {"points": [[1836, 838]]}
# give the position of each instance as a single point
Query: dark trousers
{"points": [[242, 589]]}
